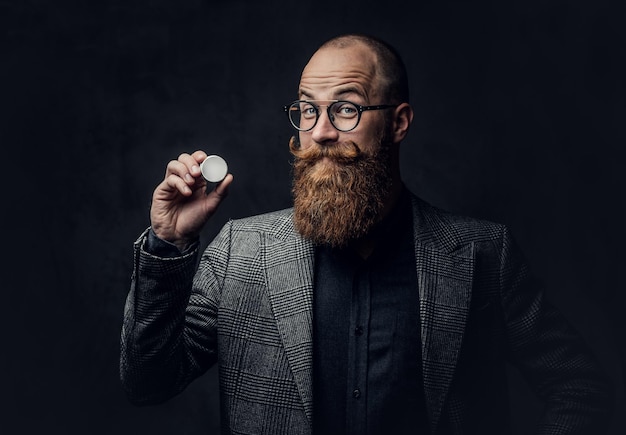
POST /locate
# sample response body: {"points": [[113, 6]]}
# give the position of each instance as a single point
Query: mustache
{"points": [[341, 152]]}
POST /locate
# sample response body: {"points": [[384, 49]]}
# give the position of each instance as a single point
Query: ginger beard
{"points": [[339, 191]]}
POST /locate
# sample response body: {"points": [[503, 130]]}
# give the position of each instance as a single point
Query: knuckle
{"points": [[172, 164]]}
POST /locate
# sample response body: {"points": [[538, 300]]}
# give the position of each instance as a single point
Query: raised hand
{"points": [[180, 204]]}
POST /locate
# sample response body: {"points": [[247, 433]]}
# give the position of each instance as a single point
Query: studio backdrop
{"points": [[519, 106]]}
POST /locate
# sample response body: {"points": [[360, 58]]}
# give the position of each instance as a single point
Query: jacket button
{"points": [[356, 393]]}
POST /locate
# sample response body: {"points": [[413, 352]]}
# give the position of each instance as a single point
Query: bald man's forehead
{"points": [[334, 71]]}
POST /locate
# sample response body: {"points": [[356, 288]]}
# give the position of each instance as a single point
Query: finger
{"points": [[198, 157], [175, 183], [181, 170], [221, 189], [191, 162], [219, 193]]}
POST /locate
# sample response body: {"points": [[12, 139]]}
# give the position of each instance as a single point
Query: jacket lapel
{"points": [[445, 285], [289, 268]]}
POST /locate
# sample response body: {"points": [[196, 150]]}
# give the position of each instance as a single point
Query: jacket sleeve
{"points": [[551, 356], [169, 328]]}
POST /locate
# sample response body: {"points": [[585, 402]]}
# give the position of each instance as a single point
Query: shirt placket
{"points": [[358, 353]]}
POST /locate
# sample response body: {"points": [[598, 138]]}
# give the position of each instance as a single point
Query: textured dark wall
{"points": [[520, 110]]}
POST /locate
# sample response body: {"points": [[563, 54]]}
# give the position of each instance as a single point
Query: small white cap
{"points": [[214, 169]]}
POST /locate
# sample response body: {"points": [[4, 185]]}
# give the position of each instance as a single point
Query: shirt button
{"points": [[358, 330], [356, 393]]}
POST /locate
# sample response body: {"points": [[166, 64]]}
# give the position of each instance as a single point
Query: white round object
{"points": [[214, 169]]}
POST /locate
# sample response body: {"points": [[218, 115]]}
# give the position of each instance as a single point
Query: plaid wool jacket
{"points": [[248, 307]]}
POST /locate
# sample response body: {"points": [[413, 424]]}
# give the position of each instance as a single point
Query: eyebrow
{"points": [[351, 90], [302, 93]]}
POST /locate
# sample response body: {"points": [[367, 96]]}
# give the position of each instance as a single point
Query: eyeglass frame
{"points": [[360, 110]]}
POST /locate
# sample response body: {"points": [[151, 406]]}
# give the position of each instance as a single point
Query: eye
{"points": [[308, 110], [345, 110]]}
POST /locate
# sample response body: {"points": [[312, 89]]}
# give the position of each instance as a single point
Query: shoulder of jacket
{"points": [[450, 230], [277, 223]]}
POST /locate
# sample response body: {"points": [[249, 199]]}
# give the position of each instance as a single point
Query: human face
{"points": [[343, 74], [342, 180]]}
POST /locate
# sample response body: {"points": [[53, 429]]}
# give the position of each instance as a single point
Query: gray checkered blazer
{"points": [[248, 307]]}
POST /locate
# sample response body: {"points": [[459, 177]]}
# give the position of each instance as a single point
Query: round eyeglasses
{"points": [[343, 115]]}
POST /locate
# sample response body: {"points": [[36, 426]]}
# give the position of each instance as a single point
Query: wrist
{"points": [[162, 242]]}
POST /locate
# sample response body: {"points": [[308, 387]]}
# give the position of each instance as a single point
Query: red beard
{"points": [[339, 191]]}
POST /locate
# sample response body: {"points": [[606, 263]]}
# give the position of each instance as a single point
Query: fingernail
{"points": [[189, 178], [195, 169]]}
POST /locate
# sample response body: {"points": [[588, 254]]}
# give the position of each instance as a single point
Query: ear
{"points": [[403, 116]]}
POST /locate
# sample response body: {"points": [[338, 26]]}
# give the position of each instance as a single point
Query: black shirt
{"points": [[367, 375]]}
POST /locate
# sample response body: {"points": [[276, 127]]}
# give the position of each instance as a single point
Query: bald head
{"points": [[390, 70]]}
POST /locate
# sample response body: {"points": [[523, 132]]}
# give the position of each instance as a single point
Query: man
{"points": [[362, 310]]}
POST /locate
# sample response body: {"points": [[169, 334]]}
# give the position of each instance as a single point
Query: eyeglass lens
{"points": [[343, 115]]}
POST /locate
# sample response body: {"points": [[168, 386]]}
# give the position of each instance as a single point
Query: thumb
{"points": [[215, 197]]}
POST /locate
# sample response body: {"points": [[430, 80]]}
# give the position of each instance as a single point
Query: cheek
{"points": [[369, 144], [304, 138], [370, 139]]}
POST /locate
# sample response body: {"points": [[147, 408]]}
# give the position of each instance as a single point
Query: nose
{"points": [[324, 131]]}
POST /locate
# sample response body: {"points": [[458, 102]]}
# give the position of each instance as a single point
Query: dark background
{"points": [[520, 109]]}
